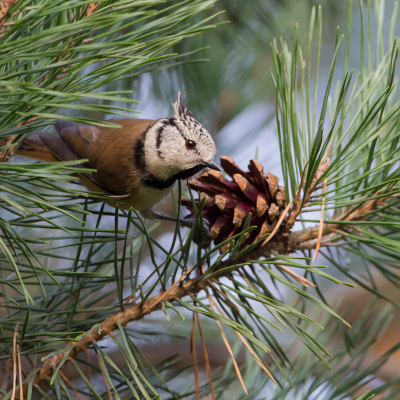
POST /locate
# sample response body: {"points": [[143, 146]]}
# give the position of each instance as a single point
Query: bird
{"points": [[136, 165]]}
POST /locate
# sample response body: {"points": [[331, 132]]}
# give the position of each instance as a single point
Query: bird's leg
{"points": [[200, 237], [154, 214]]}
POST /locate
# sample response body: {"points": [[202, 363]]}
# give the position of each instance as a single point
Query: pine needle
{"points": [[20, 381], [224, 338], [89, 370], [193, 352], [104, 378], [278, 225], [321, 222], [206, 359], [14, 379], [69, 383], [131, 297], [244, 341], [229, 301], [304, 281], [165, 294]]}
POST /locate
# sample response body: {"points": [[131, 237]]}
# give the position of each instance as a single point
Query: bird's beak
{"points": [[212, 164]]}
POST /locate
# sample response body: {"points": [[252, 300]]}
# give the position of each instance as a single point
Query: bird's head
{"points": [[177, 148]]}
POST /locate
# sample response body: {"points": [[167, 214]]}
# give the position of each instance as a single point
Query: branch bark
{"points": [[133, 313]]}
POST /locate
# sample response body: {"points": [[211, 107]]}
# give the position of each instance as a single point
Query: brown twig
{"points": [[89, 370], [165, 294], [4, 8], [294, 212], [92, 7], [132, 313], [5, 155], [300, 238]]}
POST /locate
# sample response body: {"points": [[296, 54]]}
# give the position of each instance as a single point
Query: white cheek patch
{"points": [[165, 148]]}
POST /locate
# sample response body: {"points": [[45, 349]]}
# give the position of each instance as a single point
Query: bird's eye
{"points": [[190, 144]]}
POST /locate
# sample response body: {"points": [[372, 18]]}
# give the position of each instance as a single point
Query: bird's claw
{"points": [[200, 236]]}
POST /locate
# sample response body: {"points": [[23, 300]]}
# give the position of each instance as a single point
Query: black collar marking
{"points": [[148, 179], [151, 181]]}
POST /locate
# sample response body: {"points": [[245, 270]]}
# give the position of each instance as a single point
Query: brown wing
{"points": [[112, 155], [33, 147], [78, 138], [110, 151]]}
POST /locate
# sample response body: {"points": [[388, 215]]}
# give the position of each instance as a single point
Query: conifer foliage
{"points": [[81, 283]]}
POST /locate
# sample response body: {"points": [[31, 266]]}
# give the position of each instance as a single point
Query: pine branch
{"points": [[282, 244], [305, 239], [134, 313]]}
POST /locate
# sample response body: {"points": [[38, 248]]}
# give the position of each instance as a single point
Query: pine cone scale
{"points": [[229, 202], [225, 201]]}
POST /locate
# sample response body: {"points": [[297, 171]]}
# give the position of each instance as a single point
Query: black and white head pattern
{"points": [[176, 148]]}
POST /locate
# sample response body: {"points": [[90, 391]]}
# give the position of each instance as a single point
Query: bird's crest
{"points": [[181, 109]]}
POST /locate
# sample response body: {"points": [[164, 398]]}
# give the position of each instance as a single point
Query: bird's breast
{"points": [[145, 198], [141, 197]]}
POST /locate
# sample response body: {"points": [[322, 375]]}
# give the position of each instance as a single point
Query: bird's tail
{"points": [[32, 147]]}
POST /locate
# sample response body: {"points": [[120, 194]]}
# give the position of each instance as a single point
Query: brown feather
{"points": [[112, 155], [110, 151], [33, 147]]}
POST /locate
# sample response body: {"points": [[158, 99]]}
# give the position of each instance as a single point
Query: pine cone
{"points": [[229, 202]]}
